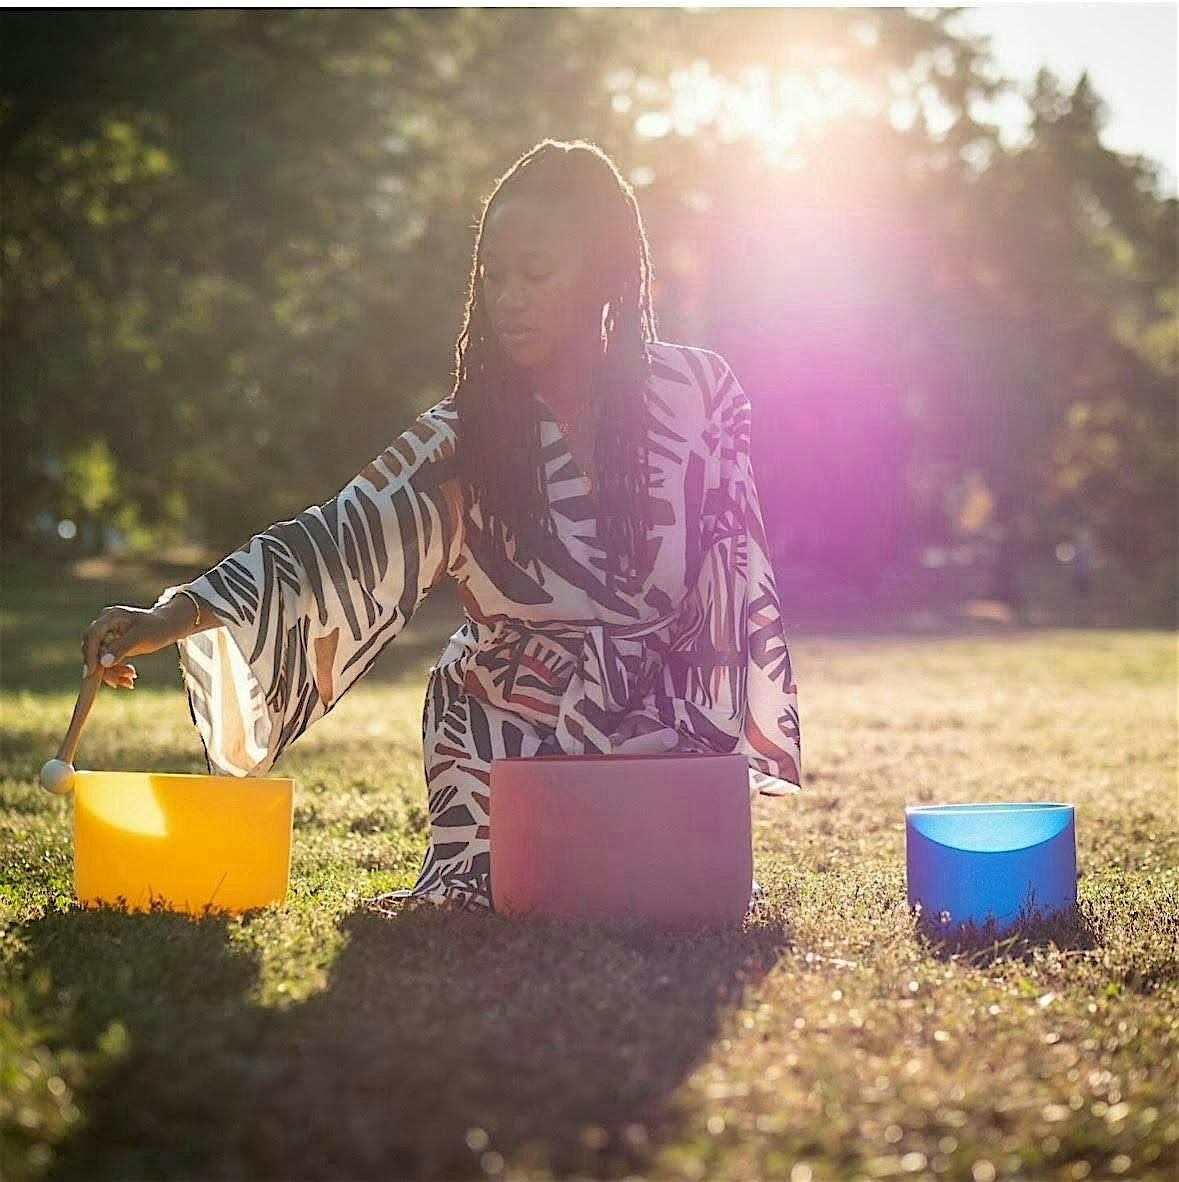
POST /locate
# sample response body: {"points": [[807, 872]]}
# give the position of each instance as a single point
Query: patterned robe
{"points": [[550, 660]]}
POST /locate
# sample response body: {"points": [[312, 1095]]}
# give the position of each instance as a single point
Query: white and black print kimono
{"points": [[549, 660]]}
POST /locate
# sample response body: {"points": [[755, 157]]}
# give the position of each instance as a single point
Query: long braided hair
{"points": [[500, 465]]}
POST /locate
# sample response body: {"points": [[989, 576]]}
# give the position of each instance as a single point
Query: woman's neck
{"points": [[566, 383]]}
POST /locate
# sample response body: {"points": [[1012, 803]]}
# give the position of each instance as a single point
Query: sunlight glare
{"points": [[774, 111]]}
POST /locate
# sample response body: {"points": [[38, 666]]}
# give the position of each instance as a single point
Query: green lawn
{"points": [[828, 1039]]}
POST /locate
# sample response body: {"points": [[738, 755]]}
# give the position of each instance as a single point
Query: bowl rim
{"points": [[975, 808], [184, 775], [619, 757]]}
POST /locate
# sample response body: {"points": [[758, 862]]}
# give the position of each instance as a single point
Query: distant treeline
{"points": [[236, 246]]}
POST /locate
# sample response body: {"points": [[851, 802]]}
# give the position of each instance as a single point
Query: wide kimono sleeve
{"points": [[728, 675], [307, 605]]}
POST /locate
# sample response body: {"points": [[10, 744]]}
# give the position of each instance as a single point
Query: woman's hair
{"points": [[500, 466]]}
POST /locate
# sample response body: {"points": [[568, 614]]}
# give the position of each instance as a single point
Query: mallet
{"points": [[57, 776]]}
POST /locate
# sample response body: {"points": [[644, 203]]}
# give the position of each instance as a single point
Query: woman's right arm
{"points": [[305, 607], [295, 616]]}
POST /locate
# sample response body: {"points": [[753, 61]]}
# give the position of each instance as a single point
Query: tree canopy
{"points": [[236, 245]]}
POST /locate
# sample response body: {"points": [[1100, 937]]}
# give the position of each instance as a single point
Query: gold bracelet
{"points": [[196, 604]]}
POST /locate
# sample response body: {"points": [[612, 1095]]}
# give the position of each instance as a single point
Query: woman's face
{"points": [[534, 276]]}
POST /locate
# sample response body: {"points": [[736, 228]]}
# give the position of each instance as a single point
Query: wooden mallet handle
{"points": [[57, 776], [81, 708]]}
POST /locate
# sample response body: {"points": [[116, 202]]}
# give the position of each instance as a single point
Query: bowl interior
{"points": [[990, 827]]}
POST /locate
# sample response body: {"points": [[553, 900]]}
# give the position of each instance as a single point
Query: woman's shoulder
{"points": [[426, 443], [693, 368], [442, 416], [434, 429]]}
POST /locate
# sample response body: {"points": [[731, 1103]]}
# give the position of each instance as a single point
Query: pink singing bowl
{"points": [[666, 838]]}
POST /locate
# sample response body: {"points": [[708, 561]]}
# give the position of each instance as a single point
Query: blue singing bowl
{"points": [[969, 863]]}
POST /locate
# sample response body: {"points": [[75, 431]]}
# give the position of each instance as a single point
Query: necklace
{"points": [[567, 426], [587, 414]]}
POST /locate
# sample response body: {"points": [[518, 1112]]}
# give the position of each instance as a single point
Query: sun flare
{"points": [[777, 111]]}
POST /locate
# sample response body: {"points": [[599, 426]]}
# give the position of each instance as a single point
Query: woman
{"points": [[589, 488]]}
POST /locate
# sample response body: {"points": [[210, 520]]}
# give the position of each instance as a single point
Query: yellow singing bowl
{"points": [[182, 842]]}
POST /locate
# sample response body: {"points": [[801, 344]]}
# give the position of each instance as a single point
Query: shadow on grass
{"points": [[1094, 929], [440, 1042], [986, 944]]}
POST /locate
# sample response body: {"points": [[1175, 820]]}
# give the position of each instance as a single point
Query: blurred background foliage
{"points": [[236, 247]]}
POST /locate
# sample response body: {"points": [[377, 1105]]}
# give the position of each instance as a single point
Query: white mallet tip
{"points": [[57, 776]]}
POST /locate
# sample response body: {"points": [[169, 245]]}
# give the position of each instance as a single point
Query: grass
{"points": [[829, 1038]]}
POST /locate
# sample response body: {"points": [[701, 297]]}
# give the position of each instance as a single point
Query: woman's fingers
{"points": [[98, 638], [120, 676], [116, 668]]}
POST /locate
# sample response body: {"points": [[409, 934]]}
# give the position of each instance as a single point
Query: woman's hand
{"points": [[120, 632], [640, 735]]}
